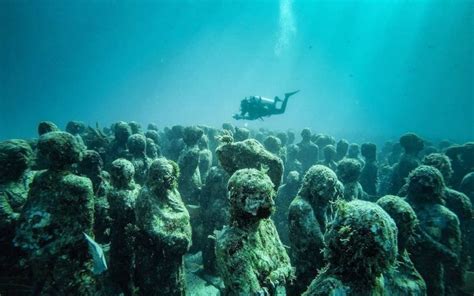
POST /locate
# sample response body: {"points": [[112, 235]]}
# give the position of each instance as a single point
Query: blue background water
{"points": [[366, 69]]}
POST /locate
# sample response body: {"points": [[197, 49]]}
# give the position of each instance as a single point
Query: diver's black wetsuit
{"points": [[257, 107]]}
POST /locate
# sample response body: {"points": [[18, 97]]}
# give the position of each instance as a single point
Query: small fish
{"points": [[100, 265]]}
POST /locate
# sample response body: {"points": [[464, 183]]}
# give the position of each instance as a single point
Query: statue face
{"points": [[259, 204], [251, 195]]}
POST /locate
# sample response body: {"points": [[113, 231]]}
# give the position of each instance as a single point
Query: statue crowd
{"points": [[270, 212]]}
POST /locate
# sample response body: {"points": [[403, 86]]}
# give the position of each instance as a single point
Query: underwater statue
{"points": [[348, 171], [291, 137], [135, 127], [46, 127], [216, 214], [353, 152], [190, 177], [250, 256], [153, 144], [257, 107], [394, 156], [308, 217], [91, 166], [322, 140], [16, 159], [439, 232], [342, 147], [283, 138], [189, 181], [462, 161], [403, 279], [76, 128], [369, 174], [409, 160], [175, 143], [118, 147], [285, 195], [122, 199], [249, 154], [57, 213], [152, 150], [273, 145], [360, 245], [164, 234], [467, 187], [308, 153], [136, 144], [154, 135], [330, 154], [460, 205], [205, 157], [292, 163], [241, 134]]}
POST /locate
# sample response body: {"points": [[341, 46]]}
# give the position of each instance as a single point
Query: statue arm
{"points": [[238, 274], [7, 216], [305, 231]]}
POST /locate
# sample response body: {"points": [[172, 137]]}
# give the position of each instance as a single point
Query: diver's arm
{"points": [[245, 117]]}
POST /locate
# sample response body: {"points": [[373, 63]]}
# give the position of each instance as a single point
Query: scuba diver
{"points": [[257, 107]]}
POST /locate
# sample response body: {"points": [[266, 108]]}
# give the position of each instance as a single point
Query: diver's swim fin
{"points": [[287, 95]]}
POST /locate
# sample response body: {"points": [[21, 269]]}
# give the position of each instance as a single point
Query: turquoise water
{"points": [[366, 69]]}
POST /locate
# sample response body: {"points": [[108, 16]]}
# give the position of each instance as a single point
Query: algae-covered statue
{"points": [[136, 144], [59, 210], [135, 127], [91, 167], [190, 177], [342, 147], [76, 128], [250, 256], [412, 145], [216, 204], [205, 157], [403, 279], [118, 147], [175, 143], [308, 153], [152, 150], [292, 163], [122, 199], [439, 231], [164, 232], [285, 195], [46, 127], [460, 205], [348, 171], [249, 154], [322, 140], [360, 245], [273, 145], [257, 107], [369, 174], [190, 182], [16, 159], [241, 134], [353, 152], [308, 217], [330, 153]]}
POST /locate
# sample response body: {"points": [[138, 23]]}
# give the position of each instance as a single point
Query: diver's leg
{"points": [[285, 102]]}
